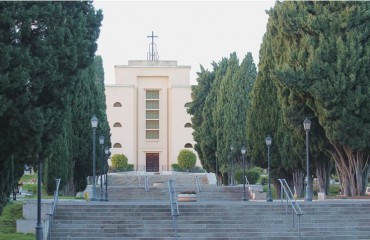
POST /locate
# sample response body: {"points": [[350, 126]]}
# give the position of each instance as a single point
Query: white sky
{"points": [[191, 32]]}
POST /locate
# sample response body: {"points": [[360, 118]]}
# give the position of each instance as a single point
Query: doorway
{"points": [[152, 162]]}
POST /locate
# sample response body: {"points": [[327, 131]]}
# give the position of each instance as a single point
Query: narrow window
{"points": [[152, 114]]}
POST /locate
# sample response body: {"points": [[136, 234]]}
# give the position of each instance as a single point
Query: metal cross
{"points": [[152, 46]]}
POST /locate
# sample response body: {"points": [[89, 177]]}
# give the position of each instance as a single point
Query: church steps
{"points": [[227, 220]]}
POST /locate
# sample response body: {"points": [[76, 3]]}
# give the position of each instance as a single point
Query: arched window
{"points": [[188, 145], [187, 104], [117, 124], [117, 145], [117, 104], [188, 125]]}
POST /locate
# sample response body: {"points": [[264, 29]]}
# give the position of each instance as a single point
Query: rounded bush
{"points": [[119, 162], [186, 159]]}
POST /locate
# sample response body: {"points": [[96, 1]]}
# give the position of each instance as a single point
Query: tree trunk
{"points": [[323, 175], [352, 167], [69, 189], [298, 182]]}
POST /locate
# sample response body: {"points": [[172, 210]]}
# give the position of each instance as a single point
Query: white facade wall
{"points": [[132, 82]]}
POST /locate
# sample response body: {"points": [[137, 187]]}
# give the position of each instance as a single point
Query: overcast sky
{"points": [[191, 32]]}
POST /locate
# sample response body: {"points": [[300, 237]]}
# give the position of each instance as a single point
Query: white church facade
{"points": [[147, 113]]}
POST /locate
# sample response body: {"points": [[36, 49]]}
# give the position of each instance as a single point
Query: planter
{"points": [[187, 197]]}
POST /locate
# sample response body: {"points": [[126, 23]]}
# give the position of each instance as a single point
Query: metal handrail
{"points": [[291, 199], [197, 183], [146, 183], [174, 205], [53, 207], [246, 181]]}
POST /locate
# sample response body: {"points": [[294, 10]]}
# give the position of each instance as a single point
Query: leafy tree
{"points": [[119, 162], [186, 159]]}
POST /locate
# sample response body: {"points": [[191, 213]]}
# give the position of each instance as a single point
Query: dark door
{"points": [[152, 162]]}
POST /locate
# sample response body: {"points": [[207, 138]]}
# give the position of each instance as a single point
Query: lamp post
{"points": [[106, 173], [232, 165], [39, 227], [244, 150], [101, 142], [268, 143], [216, 169], [307, 127], [94, 124]]}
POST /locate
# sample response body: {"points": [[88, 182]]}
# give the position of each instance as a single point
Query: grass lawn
{"points": [[12, 212]]}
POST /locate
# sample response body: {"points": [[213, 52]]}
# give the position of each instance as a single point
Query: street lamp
{"points": [[39, 227], [307, 126], [216, 169], [101, 142], [94, 124], [232, 165], [244, 150], [106, 173], [268, 143]]}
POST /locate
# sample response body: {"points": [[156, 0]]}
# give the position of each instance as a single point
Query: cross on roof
{"points": [[152, 55], [152, 36]]}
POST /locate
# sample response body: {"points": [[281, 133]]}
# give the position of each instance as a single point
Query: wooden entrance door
{"points": [[152, 162]]}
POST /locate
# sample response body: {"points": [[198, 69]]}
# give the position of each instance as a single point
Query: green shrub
{"points": [[176, 167], [130, 167], [252, 176], [258, 169], [197, 169], [264, 180], [119, 162], [186, 159]]}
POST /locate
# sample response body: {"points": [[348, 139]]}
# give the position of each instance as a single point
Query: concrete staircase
{"points": [[219, 213], [224, 220], [131, 188]]}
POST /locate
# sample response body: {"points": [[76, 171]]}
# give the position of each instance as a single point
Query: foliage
{"points": [[186, 159], [219, 107], [46, 47], [176, 167], [321, 70], [130, 167], [334, 190], [119, 162], [252, 176]]}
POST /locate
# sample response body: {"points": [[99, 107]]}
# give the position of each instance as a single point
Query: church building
{"points": [[147, 112]]}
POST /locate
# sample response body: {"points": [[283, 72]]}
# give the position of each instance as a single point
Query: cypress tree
{"points": [[324, 58], [45, 45]]}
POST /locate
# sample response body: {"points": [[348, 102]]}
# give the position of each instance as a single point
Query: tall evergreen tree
{"points": [[324, 58], [45, 45], [199, 95]]}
